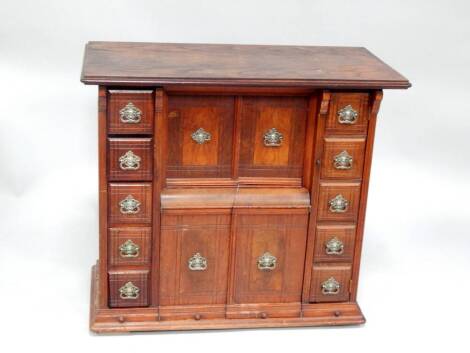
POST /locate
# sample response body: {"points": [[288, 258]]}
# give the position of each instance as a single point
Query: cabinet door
{"points": [[200, 132], [272, 136], [269, 256], [194, 257]]}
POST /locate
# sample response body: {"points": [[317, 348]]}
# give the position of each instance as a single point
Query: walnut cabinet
{"points": [[232, 183]]}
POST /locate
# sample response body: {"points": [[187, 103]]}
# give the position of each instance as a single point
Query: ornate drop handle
{"points": [[334, 246], [201, 136], [129, 161], [338, 204], [129, 205], [129, 291], [130, 114], [129, 249], [330, 287], [273, 138], [267, 262], [347, 115], [343, 161], [197, 262]]}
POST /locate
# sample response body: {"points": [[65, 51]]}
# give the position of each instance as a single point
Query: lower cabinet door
{"points": [[269, 256], [194, 253]]}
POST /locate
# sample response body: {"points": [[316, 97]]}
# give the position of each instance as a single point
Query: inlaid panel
{"points": [[343, 158], [269, 255], [272, 136], [129, 246], [330, 283], [200, 132], [130, 111], [348, 113], [334, 243], [130, 203], [194, 250], [128, 288], [130, 159], [338, 201]]}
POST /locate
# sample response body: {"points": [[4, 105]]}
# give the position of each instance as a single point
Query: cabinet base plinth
{"points": [[147, 319]]}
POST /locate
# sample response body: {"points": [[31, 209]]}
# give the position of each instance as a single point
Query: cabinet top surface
{"points": [[120, 63]]}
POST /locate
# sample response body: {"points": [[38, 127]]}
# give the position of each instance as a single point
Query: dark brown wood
{"points": [[232, 199], [157, 64]]}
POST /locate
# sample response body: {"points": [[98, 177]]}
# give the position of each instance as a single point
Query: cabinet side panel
{"points": [[103, 198]]}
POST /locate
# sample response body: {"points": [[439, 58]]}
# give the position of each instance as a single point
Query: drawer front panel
{"points": [[130, 159], [338, 201], [269, 256], [200, 130], [272, 136], [334, 243], [130, 112], [130, 203], [129, 246], [194, 252], [128, 289], [348, 113], [343, 158], [330, 283]]}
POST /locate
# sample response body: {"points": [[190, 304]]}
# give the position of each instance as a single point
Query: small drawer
{"points": [[348, 113], [334, 243], [129, 246], [330, 283], [130, 159], [338, 201], [343, 158], [130, 203], [130, 112], [128, 288]]}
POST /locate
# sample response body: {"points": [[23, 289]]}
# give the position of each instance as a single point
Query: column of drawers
{"points": [[130, 120], [341, 173]]}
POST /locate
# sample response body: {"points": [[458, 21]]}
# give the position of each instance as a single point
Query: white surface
{"points": [[415, 270]]}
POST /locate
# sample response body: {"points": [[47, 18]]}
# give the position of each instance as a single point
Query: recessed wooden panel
{"points": [[359, 102], [343, 233], [328, 191], [322, 273], [186, 237], [142, 100], [354, 147], [282, 235], [142, 192], [260, 114], [118, 279], [139, 236], [139, 148], [186, 157]]}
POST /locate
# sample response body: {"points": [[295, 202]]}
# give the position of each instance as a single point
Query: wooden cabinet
{"points": [[233, 183]]}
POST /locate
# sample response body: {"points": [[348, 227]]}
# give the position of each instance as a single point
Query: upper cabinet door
{"points": [[200, 130], [272, 136]]}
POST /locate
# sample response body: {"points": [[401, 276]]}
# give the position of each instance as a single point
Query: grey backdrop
{"points": [[415, 270]]}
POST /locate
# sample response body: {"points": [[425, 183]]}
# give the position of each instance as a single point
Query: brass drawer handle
{"points": [[129, 249], [129, 291], [273, 138], [129, 161], [129, 205], [330, 287], [267, 262], [347, 115], [338, 204], [130, 114], [201, 136], [343, 161], [334, 246], [197, 262]]}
